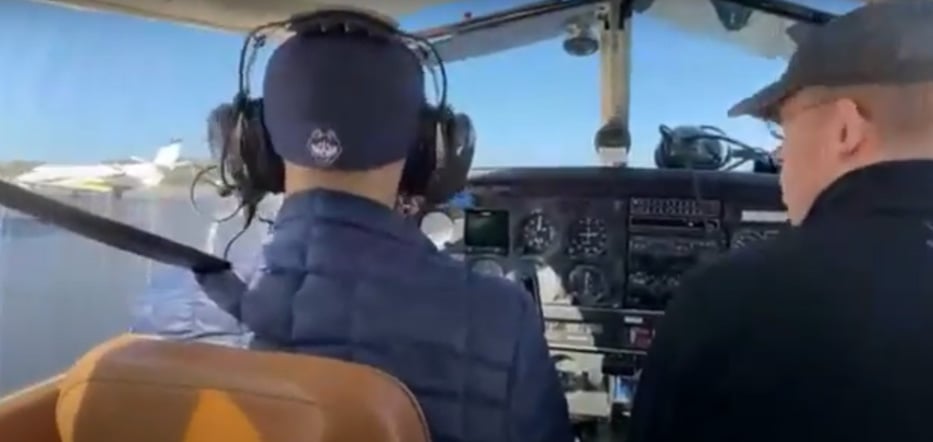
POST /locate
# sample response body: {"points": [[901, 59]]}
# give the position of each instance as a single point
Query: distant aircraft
{"points": [[113, 178]]}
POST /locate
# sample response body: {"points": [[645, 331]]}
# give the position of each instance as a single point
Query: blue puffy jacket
{"points": [[348, 278]]}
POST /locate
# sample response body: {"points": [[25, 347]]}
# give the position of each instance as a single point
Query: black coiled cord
{"points": [[701, 148], [224, 191]]}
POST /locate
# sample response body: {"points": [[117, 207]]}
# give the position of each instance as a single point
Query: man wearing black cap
{"points": [[822, 334], [347, 277]]}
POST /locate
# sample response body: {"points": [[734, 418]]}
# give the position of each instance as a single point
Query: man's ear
{"points": [[852, 126]]}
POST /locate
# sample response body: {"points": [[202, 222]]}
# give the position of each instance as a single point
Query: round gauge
{"points": [[438, 227], [538, 233], [587, 284], [588, 237], [486, 266]]}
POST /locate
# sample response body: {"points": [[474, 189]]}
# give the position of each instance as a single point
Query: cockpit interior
{"points": [[600, 249]]}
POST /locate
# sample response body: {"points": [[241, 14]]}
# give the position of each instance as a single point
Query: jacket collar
{"points": [[321, 205], [893, 186]]}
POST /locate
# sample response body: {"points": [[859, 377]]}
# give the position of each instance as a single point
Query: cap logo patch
{"points": [[324, 147]]}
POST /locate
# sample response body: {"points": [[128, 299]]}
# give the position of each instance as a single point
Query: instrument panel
{"points": [[603, 251], [618, 241], [568, 246]]}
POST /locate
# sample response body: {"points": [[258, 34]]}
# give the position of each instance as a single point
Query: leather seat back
{"points": [[146, 390], [28, 415]]}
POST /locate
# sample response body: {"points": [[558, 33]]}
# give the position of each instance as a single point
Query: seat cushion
{"points": [[148, 390], [28, 415]]}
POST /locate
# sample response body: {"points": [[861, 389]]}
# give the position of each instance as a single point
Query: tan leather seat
{"points": [[28, 415], [144, 390]]}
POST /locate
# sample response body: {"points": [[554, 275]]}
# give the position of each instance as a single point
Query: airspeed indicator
{"points": [[537, 233], [588, 238]]}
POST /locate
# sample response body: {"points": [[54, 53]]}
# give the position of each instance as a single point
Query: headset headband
{"points": [[344, 21], [250, 167]]}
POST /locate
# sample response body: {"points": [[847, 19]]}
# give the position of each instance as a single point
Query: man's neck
{"points": [[902, 147], [367, 184], [379, 197], [900, 151]]}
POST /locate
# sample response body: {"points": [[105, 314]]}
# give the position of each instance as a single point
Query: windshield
{"points": [[83, 88]]}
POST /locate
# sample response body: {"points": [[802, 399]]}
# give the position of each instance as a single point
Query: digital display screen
{"points": [[486, 229]]}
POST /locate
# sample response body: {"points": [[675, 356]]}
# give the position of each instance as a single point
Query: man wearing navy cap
{"points": [[822, 334], [347, 277]]}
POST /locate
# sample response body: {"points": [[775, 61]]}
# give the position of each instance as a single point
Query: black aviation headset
{"points": [[436, 167]]}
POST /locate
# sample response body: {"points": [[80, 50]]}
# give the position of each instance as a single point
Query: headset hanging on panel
{"points": [[436, 167]]}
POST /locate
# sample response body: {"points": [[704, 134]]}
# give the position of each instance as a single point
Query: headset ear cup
{"points": [[240, 146], [459, 145]]}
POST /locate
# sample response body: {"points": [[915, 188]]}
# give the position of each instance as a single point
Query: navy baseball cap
{"points": [[889, 43], [343, 102]]}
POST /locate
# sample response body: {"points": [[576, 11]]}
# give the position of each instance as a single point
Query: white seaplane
{"points": [[115, 178]]}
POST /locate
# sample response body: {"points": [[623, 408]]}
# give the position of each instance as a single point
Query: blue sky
{"points": [[82, 86]]}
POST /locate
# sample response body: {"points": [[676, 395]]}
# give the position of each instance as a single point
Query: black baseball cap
{"points": [[889, 43], [343, 101]]}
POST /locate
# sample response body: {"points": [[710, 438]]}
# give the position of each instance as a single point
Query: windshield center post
{"points": [[613, 138]]}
